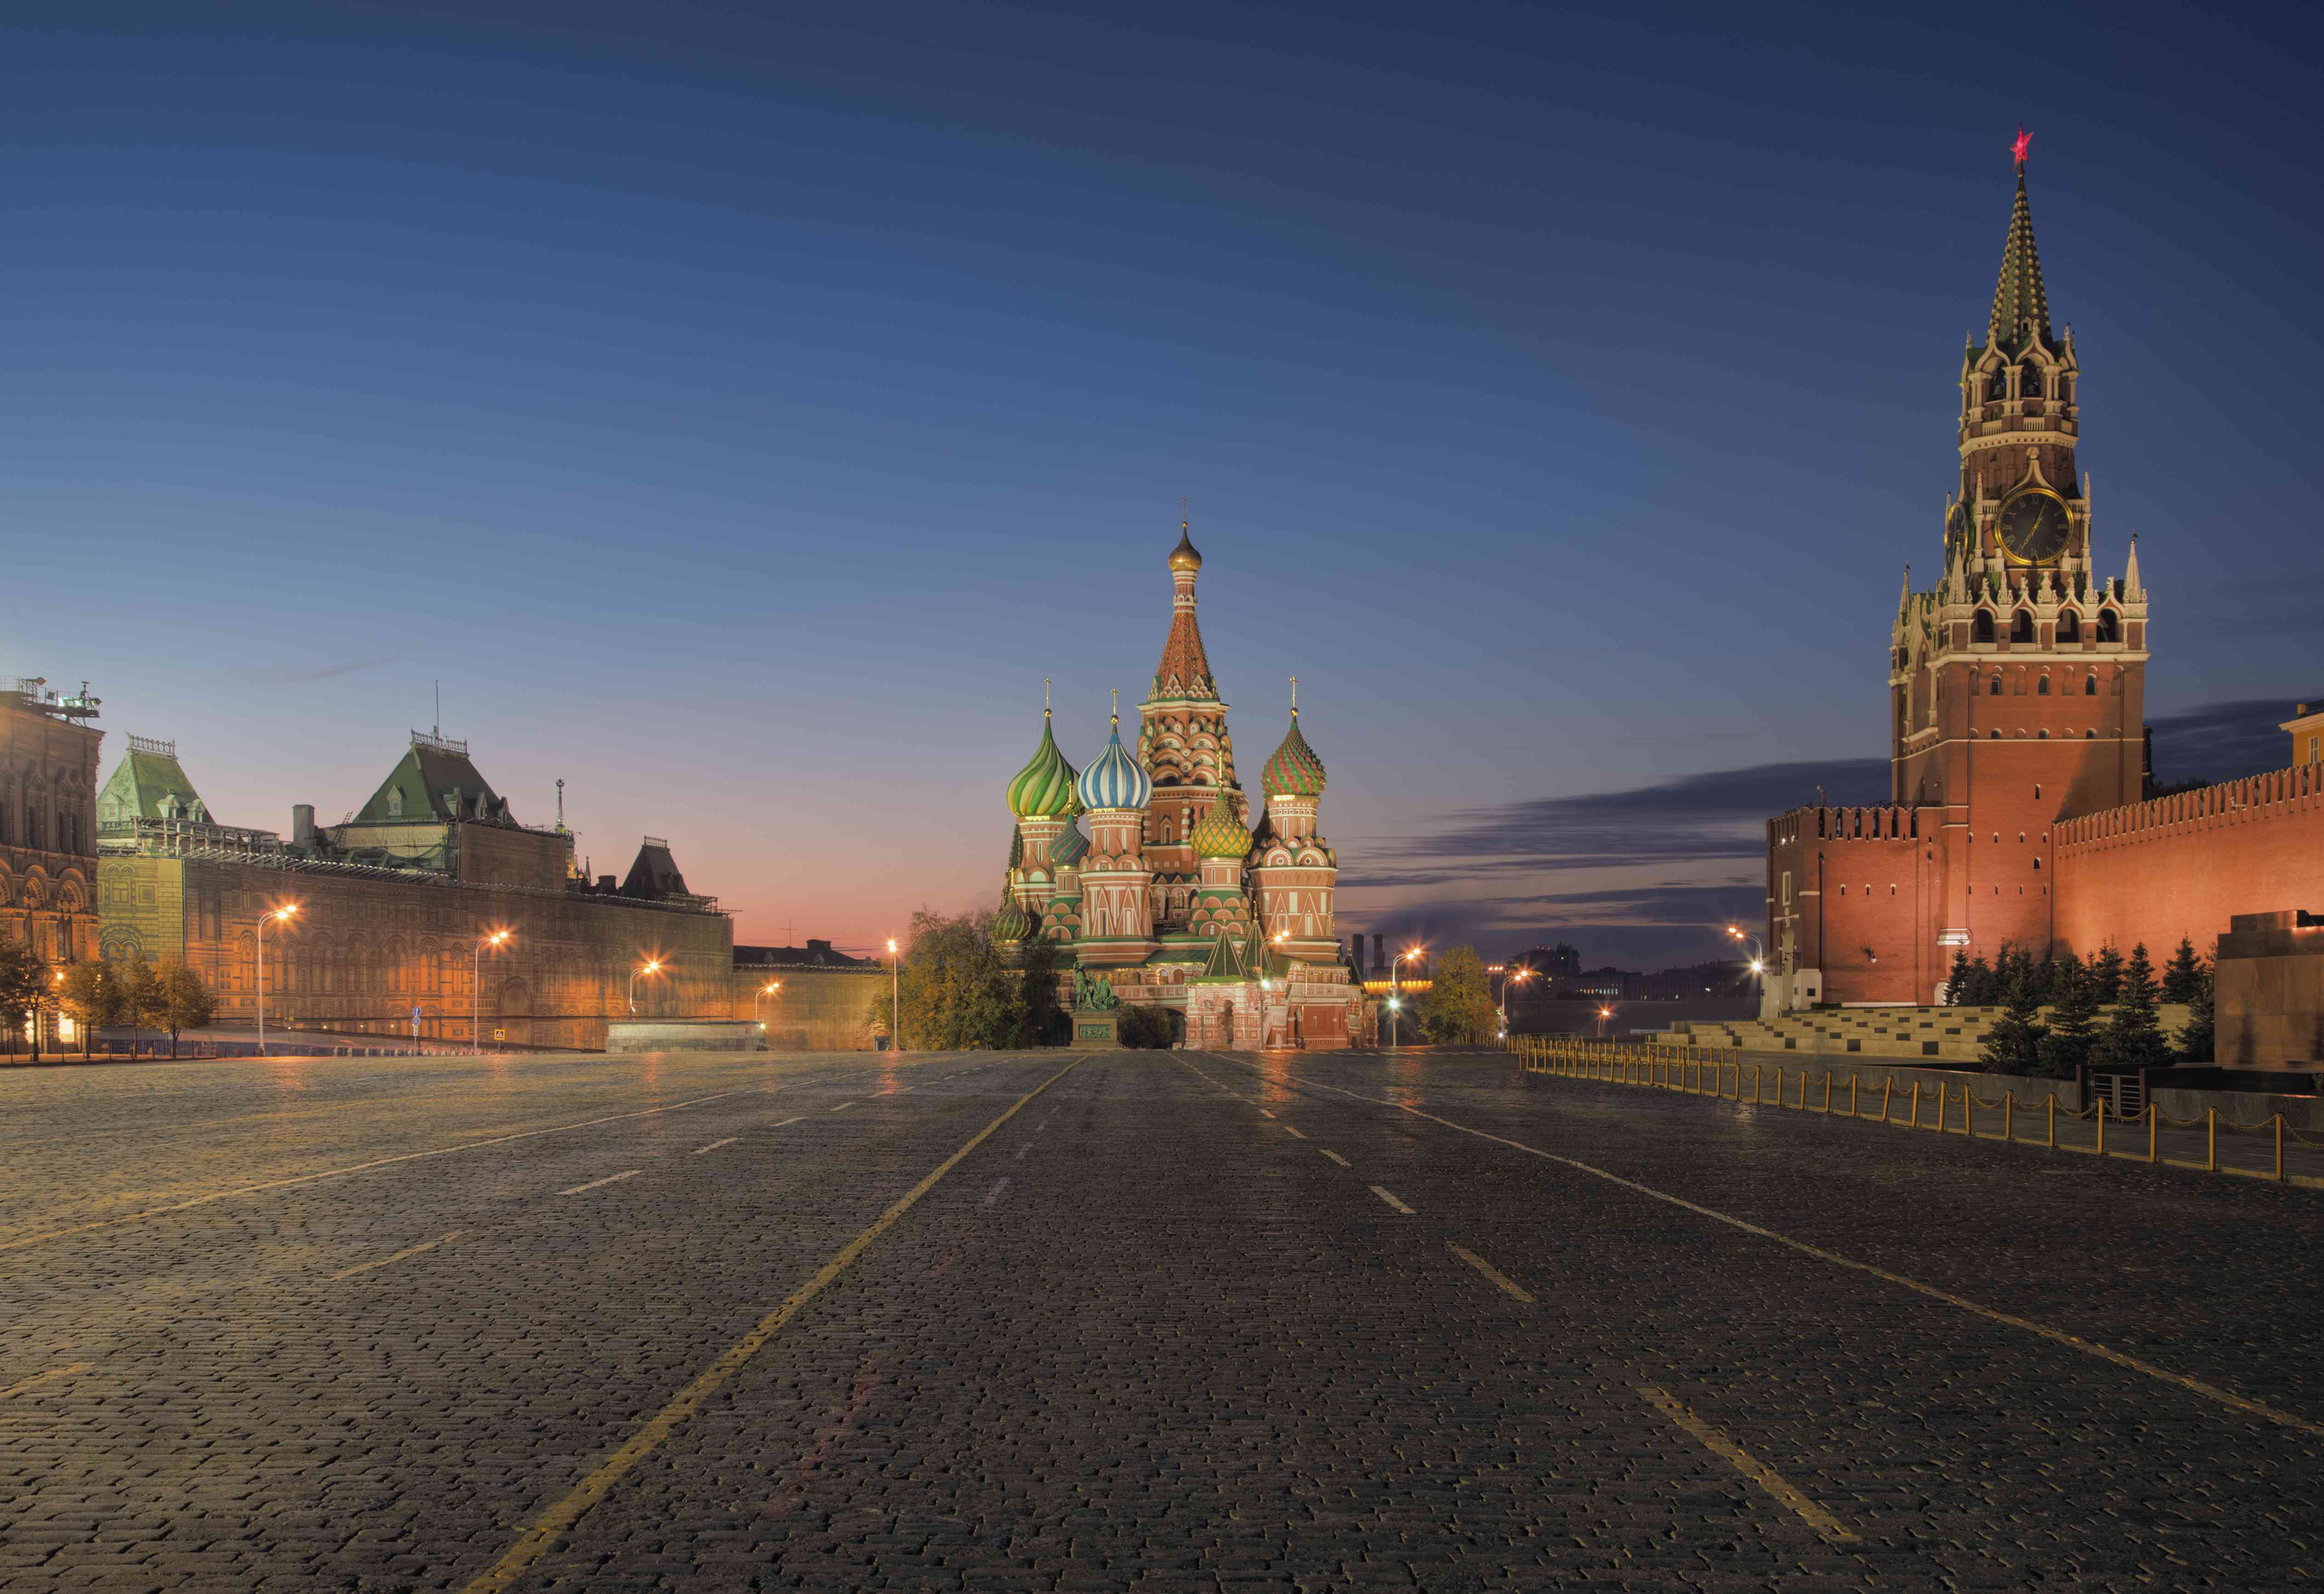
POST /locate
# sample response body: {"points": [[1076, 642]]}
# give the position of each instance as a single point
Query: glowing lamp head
{"points": [[1758, 967], [891, 947]]}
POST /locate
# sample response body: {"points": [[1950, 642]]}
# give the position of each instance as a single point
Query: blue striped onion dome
{"points": [[1044, 788], [1071, 846], [1116, 780]]}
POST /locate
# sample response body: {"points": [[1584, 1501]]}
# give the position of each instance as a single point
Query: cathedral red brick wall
{"points": [[2185, 864]]}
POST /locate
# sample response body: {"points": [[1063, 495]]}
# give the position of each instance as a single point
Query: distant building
{"points": [[391, 906], [48, 838], [822, 998]]}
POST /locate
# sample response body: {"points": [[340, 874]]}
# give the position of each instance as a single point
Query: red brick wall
{"points": [[2185, 865], [1865, 899]]}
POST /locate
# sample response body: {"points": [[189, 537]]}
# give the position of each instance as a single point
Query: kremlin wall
{"points": [[2019, 812]]}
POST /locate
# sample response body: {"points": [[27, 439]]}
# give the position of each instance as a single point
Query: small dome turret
{"points": [[1186, 556], [1293, 769], [1071, 846], [1013, 923], [1116, 780], [1219, 833], [1044, 788]]}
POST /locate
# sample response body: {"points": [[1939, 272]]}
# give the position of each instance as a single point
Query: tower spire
{"points": [[2021, 308]]}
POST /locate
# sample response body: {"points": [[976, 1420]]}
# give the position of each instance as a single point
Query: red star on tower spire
{"points": [[2025, 141]]}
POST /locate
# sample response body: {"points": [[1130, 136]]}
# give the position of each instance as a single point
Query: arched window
{"points": [[1980, 629], [1996, 735], [2069, 627], [2043, 735], [2090, 686], [2042, 689], [2021, 626], [2109, 625], [1994, 691]]}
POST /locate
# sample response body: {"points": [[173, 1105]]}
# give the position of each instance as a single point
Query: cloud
{"points": [[293, 675], [2223, 740]]}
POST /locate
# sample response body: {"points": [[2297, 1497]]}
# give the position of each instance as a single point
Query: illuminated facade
{"points": [[1178, 897]]}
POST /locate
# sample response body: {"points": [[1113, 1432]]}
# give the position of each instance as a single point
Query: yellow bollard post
{"points": [[1887, 1089], [2102, 1106], [2051, 1140], [1940, 1107], [2279, 1147], [2153, 1131], [1968, 1110], [1827, 1093], [1916, 1104], [2009, 1115], [1853, 1080], [2211, 1141]]}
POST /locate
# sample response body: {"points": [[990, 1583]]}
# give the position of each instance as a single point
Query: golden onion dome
{"points": [[1185, 556]]}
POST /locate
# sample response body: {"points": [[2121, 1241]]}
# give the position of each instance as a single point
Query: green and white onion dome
{"points": [[1219, 834], [1013, 923], [1116, 780], [1293, 769], [1071, 846], [1044, 788]]}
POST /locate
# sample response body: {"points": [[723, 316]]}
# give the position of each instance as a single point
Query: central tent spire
{"points": [[2021, 308]]}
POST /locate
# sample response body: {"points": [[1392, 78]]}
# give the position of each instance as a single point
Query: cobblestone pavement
{"points": [[1179, 1322]]}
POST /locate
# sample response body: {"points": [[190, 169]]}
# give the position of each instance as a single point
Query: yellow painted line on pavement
{"points": [[411, 1250], [1747, 1464], [1263, 1112], [788, 1121], [1294, 1133], [2107, 1353], [843, 1106], [608, 1179], [360, 1168], [714, 1144], [50, 1376], [1336, 1158], [1500, 1280], [554, 1523], [1392, 1200]]}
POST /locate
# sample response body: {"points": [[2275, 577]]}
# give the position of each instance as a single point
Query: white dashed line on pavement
{"points": [[1747, 1464], [1336, 1158], [1263, 1112], [1392, 1200], [788, 1121], [1294, 1133], [608, 1179], [1500, 1280], [28, 1385], [1024, 1150], [843, 1106], [714, 1144], [409, 1250], [993, 1195]]}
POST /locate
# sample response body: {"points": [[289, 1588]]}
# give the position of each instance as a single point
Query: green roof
{"points": [[432, 782], [149, 783]]}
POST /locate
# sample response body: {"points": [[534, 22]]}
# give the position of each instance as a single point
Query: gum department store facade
{"points": [[2017, 812]]}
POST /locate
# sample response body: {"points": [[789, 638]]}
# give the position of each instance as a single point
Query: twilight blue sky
{"points": [[742, 414]]}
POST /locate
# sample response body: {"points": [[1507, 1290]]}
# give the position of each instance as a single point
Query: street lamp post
{"points": [[1603, 1014], [653, 965], [895, 999], [1758, 953], [476, 989], [1509, 977], [764, 992], [272, 915], [1395, 996]]}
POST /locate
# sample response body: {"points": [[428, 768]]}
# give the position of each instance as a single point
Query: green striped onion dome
{"points": [[1293, 769], [1070, 847], [1013, 923], [1116, 780], [1219, 834], [1044, 788]]}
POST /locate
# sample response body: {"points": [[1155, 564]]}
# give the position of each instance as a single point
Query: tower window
{"points": [[1996, 735], [2090, 735], [2021, 627], [1980, 629], [2090, 686], [2041, 735], [2069, 627], [1996, 691], [2109, 626], [2043, 690]]}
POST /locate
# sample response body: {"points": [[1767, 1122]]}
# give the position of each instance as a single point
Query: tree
{"points": [[2198, 1041], [179, 1000], [2133, 1039], [2106, 972], [90, 995], [22, 982], [955, 991], [2183, 974], [1957, 978], [1457, 1008], [1978, 984], [139, 998], [1143, 1027], [2013, 1044], [2073, 1022]]}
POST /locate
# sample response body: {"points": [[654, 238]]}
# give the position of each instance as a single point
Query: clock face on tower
{"points": [[2032, 527]]}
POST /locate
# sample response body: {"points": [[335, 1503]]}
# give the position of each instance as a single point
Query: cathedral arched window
{"points": [[1994, 690], [2042, 689], [2021, 626], [2070, 626], [2090, 686], [2029, 381], [1980, 629], [2109, 625]]}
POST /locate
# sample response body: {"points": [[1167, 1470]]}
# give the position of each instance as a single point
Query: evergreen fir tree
{"points": [[2013, 1044], [1957, 978], [2199, 1042], [1979, 984], [2073, 1021], [2132, 1039], [2183, 974], [2105, 971]]}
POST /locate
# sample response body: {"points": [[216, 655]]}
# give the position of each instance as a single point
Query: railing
{"points": [[1707, 1071], [168, 749], [439, 743]]}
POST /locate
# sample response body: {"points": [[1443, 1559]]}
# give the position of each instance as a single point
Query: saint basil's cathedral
{"points": [[1178, 897]]}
